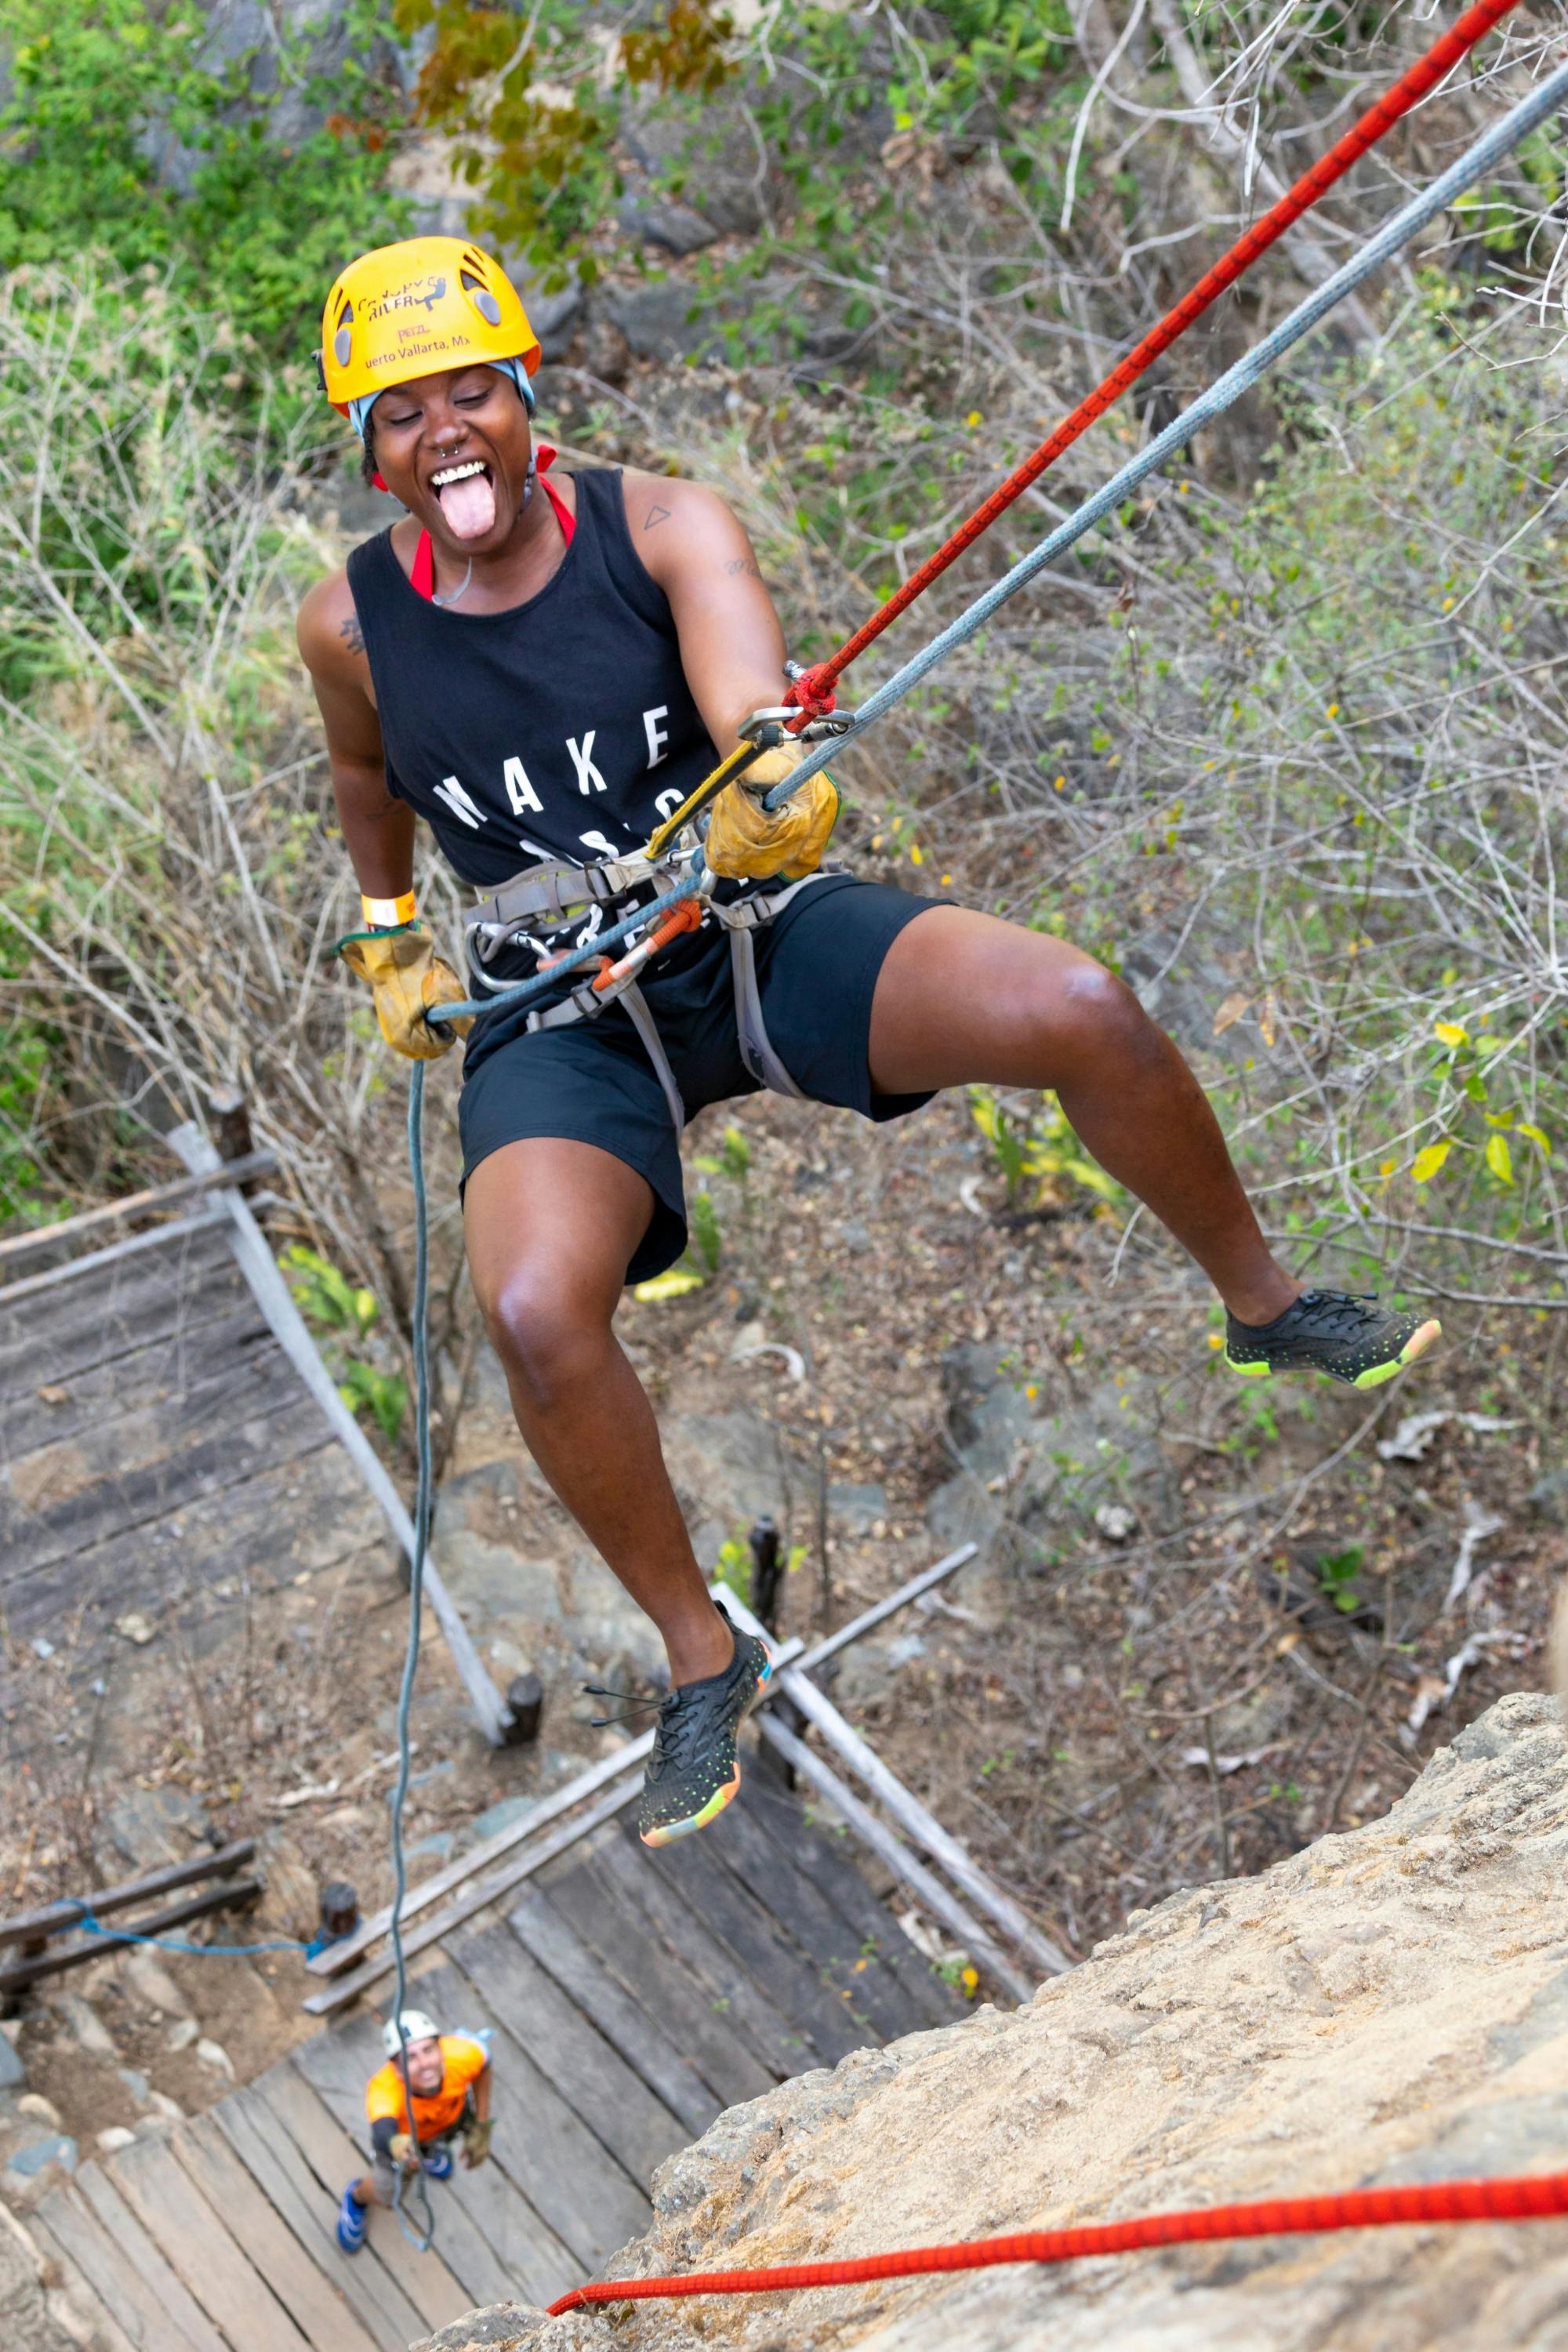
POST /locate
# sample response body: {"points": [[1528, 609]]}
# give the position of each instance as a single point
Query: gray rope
{"points": [[1223, 393]]}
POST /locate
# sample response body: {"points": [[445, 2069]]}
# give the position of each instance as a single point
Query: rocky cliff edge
{"points": [[1388, 2005]]}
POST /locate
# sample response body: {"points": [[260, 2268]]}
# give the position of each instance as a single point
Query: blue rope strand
{"points": [[90, 1924], [422, 2233], [1223, 393]]}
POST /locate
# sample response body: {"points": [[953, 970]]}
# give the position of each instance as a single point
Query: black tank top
{"points": [[564, 728]]}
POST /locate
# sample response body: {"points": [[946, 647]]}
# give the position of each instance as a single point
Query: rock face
{"points": [[1388, 2005]]}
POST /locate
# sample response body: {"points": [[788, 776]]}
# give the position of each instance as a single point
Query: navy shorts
{"points": [[592, 1081]]}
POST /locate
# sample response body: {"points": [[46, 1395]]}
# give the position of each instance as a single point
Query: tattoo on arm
{"points": [[743, 564], [655, 514], [352, 634]]}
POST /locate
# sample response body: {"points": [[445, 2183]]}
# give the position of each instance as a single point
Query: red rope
{"points": [[812, 690], [1528, 2198]]}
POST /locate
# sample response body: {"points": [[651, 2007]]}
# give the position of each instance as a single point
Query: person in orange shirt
{"points": [[450, 2075]]}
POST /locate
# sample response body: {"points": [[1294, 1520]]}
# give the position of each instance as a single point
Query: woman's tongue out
{"points": [[468, 506]]}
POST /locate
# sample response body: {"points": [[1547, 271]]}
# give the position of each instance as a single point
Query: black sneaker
{"points": [[694, 1770], [1351, 1338]]}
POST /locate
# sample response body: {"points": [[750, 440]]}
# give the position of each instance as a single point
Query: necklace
{"points": [[457, 593]]}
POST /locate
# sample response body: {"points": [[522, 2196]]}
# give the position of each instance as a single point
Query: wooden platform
{"points": [[630, 1998], [155, 1441]]}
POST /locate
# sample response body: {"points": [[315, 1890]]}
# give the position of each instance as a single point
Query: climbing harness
{"points": [[1528, 2197], [555, 892], [1450, 2202]]}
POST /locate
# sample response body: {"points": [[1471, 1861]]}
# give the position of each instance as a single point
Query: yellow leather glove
{"points": [[747, 842], [405, 975], [476, 2142], [403, 2151]]}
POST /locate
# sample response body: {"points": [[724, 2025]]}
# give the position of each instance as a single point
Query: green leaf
{"points": [[676, 1284], [383, 1394], [1536, 1136], [705, 1231], [1499, 1159]]}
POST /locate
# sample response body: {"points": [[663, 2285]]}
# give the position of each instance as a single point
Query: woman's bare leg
{"points": [[963, 998], [550, 1227]]}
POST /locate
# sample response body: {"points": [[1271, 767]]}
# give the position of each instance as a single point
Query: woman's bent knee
{"points": [[547, 1334], [1104, 1011]]}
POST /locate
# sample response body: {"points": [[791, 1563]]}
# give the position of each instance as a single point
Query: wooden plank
{"points": [[484, 1892], [275, 1301], [742, 2004], [587, 2198], [155, 1199], [197, 2245], [340, 1955], [340, 2063], [641, 2042], [324, 2316], [241, 1533], [780, 1816], [780, 1967], [466, 2251], [309, 2209], [74, 2233], [62, 1338], [872, 1996], [348, 1949], [61, 1500], [182, 2312], [87, 1322], [424, 2278], [932, 1894], [51, 1917], [109, 2335], [165, 1368], [636, 2128], [632, 1953], [915, 1820], [94, 1265]]}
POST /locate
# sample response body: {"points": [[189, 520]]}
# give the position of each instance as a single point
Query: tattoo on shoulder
{"points": [[743, 565], [352, 634], [655, 514]]}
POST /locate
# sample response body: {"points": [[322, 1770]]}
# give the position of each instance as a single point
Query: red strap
{"points": [[545, 457], [422, 579]]}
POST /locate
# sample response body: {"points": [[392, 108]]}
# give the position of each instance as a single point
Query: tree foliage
{"points": [[126, 134]]}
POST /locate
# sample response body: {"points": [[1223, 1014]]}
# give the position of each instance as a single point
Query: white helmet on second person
{"points": [[417, 2027]]}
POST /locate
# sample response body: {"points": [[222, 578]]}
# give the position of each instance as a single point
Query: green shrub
{"points": [[238, 224]]}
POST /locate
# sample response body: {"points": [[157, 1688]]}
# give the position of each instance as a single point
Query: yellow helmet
{"points": [[410, 310]]}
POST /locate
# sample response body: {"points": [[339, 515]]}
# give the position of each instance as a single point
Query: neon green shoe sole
{"points": [[668, 1831], [1345, 1338]]}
